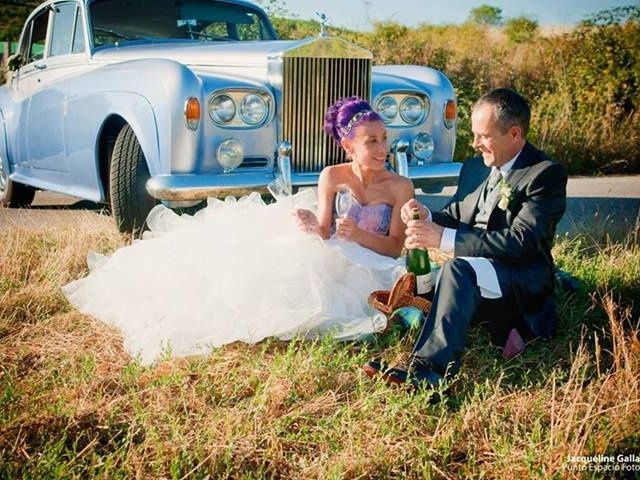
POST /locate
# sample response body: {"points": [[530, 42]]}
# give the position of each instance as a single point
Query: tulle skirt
{"points": [[235, 271]]}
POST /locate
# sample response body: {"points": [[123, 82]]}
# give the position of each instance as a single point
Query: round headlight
{"points": [[387, 108], [222, 108], [253, 109], [423, 146], [230, 154], [412, 110]]}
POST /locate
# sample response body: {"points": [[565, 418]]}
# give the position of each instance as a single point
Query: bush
{"points": [[520, 29]]}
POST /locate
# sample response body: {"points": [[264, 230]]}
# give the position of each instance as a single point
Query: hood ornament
{"points": [[323, 23]]}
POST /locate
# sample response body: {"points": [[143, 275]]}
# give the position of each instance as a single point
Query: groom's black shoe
{"points": [[416, 375]]}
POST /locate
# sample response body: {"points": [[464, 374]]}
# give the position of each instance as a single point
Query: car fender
{"points": [[149, 95]]}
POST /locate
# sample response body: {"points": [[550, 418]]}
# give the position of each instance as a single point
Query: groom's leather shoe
{"points": [[415, 375]]}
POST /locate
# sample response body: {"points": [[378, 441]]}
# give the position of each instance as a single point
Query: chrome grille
{"points": [[310, 85]]}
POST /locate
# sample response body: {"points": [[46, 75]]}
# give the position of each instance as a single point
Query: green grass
{"points": [[73, 404]]}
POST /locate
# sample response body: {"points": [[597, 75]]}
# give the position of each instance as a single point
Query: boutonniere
{"points": [[505, 194]]}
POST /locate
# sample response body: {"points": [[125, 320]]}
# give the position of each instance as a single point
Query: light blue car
{"points": [[138, 101]]}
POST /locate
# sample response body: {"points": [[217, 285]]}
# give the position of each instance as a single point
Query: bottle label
{"points": [[423, 283]]}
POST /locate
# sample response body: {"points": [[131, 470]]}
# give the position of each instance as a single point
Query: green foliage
{"points": [[613, 16], [591, 111], [275, 8], [12, 19], [486, 15], [520, 29]]}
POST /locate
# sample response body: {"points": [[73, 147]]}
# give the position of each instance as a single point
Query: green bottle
{"points": [[418, 264]]}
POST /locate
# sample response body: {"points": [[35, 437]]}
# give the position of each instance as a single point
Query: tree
{"points": [[520, 29], [486, 15], [275, 8], [12, 17]]}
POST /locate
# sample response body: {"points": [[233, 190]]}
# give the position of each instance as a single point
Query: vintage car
{"points": [[138, 101]]}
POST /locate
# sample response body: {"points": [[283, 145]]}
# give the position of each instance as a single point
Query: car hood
{"points": [[211, 54], [248, 60]]}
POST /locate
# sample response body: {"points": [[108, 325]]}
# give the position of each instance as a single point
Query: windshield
{"points": [[118, 21]]}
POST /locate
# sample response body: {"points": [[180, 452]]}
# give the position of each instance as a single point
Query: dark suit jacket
{"points": [[518, 239]]}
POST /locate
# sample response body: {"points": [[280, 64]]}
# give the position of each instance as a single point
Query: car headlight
{"points": [[253, 109], [423, 146], [412, 110], [230, 154], [222, 109], [387, 108]]}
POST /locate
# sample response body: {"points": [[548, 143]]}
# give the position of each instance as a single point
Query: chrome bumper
{"points": [[194, 187], [186, 187]]}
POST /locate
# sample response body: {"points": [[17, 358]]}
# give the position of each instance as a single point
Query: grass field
{"points": [[73, 404]]}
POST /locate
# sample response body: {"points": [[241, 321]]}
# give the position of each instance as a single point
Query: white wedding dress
{"points": [[236, 270]]}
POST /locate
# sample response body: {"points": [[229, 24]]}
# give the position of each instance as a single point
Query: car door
{"points": [[47, 107], [26, 82]]}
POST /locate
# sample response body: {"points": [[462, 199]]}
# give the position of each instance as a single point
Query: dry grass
{"points": [[73, 404]]}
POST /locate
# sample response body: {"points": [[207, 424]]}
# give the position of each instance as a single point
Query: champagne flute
{"points": [[344, 201]]}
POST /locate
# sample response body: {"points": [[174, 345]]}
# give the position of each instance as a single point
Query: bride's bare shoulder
{"points": [[398, 182], [336, 172]]}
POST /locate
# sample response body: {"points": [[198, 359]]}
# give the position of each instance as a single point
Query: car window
{"points": [[78, 34], [38, 37], [120, 21], [62, 35], [26, 39], [251, 31]]}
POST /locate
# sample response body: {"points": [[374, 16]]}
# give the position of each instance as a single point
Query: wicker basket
{"points": [[401, 295]]}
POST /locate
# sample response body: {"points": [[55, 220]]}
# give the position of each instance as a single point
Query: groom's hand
{"points": [[421, 234], [408, 209]]}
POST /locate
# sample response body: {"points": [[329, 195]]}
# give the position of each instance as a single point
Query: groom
{"points": [[499, 226]]}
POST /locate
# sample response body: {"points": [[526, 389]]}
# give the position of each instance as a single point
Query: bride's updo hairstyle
{"points": [[342, 117]]}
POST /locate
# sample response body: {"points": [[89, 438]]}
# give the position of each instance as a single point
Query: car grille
{"points": [[310, 85]]}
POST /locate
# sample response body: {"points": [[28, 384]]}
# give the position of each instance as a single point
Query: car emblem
{"points": [[323, 23]]}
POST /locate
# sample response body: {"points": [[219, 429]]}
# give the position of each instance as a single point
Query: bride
{"points": [[241, 270]]}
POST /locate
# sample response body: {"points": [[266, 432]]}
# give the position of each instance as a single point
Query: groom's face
{"points": [[496, 146]]}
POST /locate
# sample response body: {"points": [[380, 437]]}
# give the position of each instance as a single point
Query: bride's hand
{"points": [[406, 212], [306, 220], [347, 228]]}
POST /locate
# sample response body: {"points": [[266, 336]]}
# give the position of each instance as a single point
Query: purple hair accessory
{"points": [[345, 114], [346, 130]]}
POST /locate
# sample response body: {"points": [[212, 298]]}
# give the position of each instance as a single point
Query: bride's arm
{"points": [[326, 194], [319, 224], [390, 245]]}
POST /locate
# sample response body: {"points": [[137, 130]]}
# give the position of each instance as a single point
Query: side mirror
{"points": [[15, 62]]}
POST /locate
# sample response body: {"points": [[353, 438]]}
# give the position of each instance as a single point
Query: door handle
{"points": [[39, 66]]}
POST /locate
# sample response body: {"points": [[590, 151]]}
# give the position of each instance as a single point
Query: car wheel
{"points": [[128, 175], [13, 194]]}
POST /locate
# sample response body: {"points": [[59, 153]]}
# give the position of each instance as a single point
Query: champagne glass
{"points": [[344, 201]]}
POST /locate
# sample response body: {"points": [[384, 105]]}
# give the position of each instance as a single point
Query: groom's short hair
{"points": [[510, 108]]}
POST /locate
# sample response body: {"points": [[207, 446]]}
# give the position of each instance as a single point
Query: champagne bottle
{"points": [[418, 264]]}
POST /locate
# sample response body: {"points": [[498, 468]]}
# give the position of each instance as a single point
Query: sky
{"points": [[360, 14]]}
